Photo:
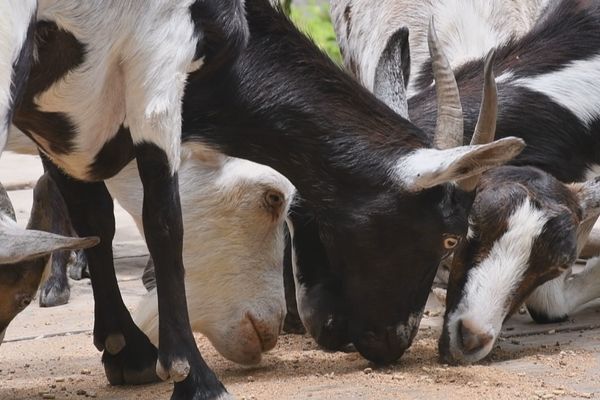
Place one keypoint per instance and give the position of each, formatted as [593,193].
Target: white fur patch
[15,16]
[575,87]
[490,285]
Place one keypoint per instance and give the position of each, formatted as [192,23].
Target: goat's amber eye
[450,242]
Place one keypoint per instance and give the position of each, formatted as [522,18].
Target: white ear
[588,196]
[426,168]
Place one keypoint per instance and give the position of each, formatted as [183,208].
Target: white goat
[233,214]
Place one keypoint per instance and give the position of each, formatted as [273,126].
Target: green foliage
[313,19]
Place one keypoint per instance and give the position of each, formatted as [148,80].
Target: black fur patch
[58,53]
[113,156]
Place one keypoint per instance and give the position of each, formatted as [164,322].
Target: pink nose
[472,337]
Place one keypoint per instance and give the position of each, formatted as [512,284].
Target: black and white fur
[526,227]
[368,226]
[106,86]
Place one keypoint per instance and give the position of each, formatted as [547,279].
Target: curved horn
[449,123]
[485,129]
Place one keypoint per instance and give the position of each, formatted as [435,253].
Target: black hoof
[54,293]
[293,324]
[135,364]
[200,385]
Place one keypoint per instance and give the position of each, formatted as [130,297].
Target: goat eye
[274,198]
[450,242]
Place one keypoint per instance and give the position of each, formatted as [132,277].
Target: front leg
[129,357]
[555,300]
[178,357]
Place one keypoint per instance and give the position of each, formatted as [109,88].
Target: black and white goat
[105,86]
[374,207]
[467,30]
[23,253]
[526,227]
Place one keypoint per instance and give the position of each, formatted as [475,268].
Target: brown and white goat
[25,252]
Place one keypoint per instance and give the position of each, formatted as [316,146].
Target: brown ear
[588,196]
[18,244]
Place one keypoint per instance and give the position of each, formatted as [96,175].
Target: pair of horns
[449,124]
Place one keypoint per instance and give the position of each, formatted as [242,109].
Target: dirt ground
[48,353]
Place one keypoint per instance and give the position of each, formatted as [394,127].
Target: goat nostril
[473,339]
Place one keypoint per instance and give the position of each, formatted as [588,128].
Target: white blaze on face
[490,285]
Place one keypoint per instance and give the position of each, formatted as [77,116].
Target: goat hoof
[180,369]
[133,364]
[200,385]
[114,343]
[54,294]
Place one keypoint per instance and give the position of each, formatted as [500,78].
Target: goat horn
[485,129]
[449,123]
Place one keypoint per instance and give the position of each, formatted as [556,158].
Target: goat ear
[392,73]
[18,244]
[426,168]
[588,196]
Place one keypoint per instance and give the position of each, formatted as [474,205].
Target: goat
[25,252]
[371,190]
[526,226]
[106,86]
[233,216]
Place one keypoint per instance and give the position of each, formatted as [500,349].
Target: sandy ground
[48,353]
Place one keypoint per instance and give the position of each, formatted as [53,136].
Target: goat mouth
[264,346]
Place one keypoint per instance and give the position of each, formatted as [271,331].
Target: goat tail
[145,316]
